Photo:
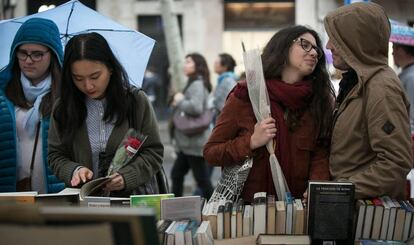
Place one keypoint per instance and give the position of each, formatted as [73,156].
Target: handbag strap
[160,176]
[34,148]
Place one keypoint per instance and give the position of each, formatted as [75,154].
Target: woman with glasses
[28,88]
[301,101]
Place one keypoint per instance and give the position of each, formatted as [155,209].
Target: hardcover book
[271,215]
[361,207]
[299,221]
[331,211]
[385,219]
[259,216]
[280,217]
[248,220]
[228,208]
[289,213]
[239,218]
[377,221]
[369,217]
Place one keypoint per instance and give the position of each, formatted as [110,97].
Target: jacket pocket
[302,156]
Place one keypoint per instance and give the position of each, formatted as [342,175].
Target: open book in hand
[127,151]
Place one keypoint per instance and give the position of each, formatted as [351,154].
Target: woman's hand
[305,195]
[177,98]
[263,132]
[117,183]
[81,175]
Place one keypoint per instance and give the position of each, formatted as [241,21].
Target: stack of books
[264,215]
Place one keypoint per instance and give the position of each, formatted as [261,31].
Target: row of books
[264,215]
[384,218]
[184,232]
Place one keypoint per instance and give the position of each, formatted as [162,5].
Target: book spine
[259,216]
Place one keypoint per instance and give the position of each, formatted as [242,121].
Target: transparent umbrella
[131,47]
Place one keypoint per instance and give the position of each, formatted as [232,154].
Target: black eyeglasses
[34,56]
[307,46]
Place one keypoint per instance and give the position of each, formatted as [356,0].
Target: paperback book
[331,212]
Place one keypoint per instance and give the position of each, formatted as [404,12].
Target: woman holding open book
[301,101]
[93,116]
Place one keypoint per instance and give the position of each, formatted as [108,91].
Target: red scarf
[282,95]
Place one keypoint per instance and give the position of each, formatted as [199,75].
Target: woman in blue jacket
[28,88]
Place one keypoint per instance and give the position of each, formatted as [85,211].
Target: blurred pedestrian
[28,87]
[224,67]
[371,143]
[404,58]
[301,100]
[192,101]
[94,114]
[151,84]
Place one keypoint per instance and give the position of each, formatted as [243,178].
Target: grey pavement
[170,156]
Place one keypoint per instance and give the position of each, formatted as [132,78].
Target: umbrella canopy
[130,47]
[401,33]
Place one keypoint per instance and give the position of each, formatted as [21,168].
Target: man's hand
[117,183]
[81,175]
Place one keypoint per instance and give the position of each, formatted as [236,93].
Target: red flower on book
[131,145]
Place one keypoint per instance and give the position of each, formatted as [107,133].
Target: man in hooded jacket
[371,143]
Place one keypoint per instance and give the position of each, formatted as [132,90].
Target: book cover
[97,202]
[220,221]
[180,231]
[399,221]
[299,222]
[19,197]
[331,211]
[289,213]
[379,242]
[411,234]
[210,212]
[259,216]
[233,222]
[239,218]
[280,217]
[385,219]
[178,208]
[228,208]
[408,216]
[271,215]
[162,226]
[58,199]
[361,207]
[169,238]
[377,221]
[269,239]
[153,201]
[190,231]
[393,215]
[369,217]
[248,220]
[204,234]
